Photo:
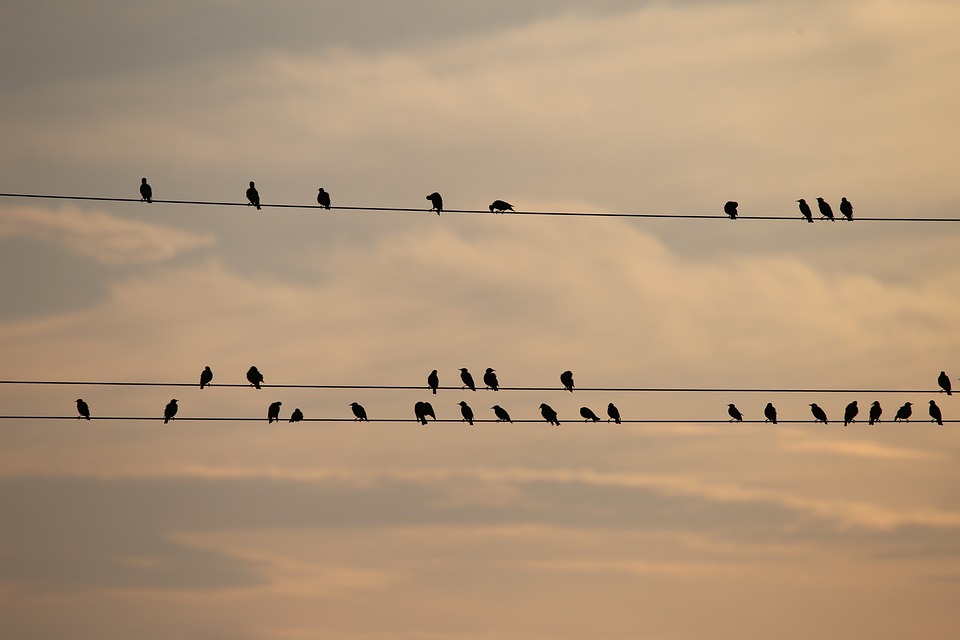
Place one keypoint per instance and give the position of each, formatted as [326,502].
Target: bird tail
[166,420]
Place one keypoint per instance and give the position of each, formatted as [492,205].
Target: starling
[466,412]
[254,376]
[587,414]
[846,209]
[146,191]
[567,379]
[428,410]
[433,380]
[170,411]
[437,201]
[253,196]
[501,413]
[323,198]
[875,412]
[850,413]
[467,379]
[613,412]
[296,416]
[825,209]
[423,409]
[490,379]
[731,209]
[944,382]
[904,412]
[273,412]
[805,210]
[501,206]
[360,414]
[935,413]
[819,415]
[549,414]
[770,413]
[734,413]
[205,377]
[83,409]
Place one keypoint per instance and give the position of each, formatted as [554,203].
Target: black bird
[490,379]
[467,379]
[426,409]
[254,376]
[819,415]
[770,413]
[846,209]
[273,412]
[206,376]
[904,412]
[587,414]
[83,409]
[501,413]
[567,379]
[875,412]
[734,413]
[359,412]
[296,416]
[805,210]
[501,206]
[935,413]
[944,382]
[433,380]
[549,414]
[323,198]
[825,209]
[850,413]
[437,201]
[613,412]
[253,196]
[466,412]
[170,411]
[730,208]
[146,191]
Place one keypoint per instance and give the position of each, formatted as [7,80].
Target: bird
[850,413]
[904,412]
[437,201]
[170,411]
[549,414]
[83,409]
[205,377]
[296,416]
[467,379]
[466,412]
[433,380]
[846,209]
[490,379]
[567,379]
[819,415]
[935,413]
[825,209]
[422,410]
[273,411]
[254,376]
[875,412]
[614,413]
[501,206]
[770,413]
[253,196]
[944,381]
[323,198]
[146,191]
[587,414]
[730,208]
[501,413]
[359,412]
[805,210]
[734,413]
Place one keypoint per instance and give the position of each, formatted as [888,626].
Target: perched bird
[359,412]
[296,416]
[904,412]
[567,379]
[819,415]
[253,196]
[944,381]
[433,380]
[437,201]
[467,379]
[466,412]
[323,198]
[254,376]
[146,191]
[730,208]
[734,413]
[613,412]
[490,379]
[587,414]
[170,411]
[501,206]
[850,413]
[273,412]
[846,209]
[549,414]
[805,210]
[770,413]
[875,412]
[825,209]
[426,409]
[83,409]
[501,413]
[935,413]
[206,376]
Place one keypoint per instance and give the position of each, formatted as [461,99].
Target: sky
[684,530]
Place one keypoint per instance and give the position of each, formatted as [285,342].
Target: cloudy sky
[208,530]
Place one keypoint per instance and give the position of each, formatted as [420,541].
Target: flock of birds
[826,211]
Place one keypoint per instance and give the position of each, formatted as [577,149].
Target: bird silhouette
[428,410]
[359,413]
[770,413]
[490,379]
[825,209]
[170,411]
[935,413]
[730,208]
[323,198]
[254,376]
[206,376]
[423,409]
[549,414]
[846,209]
[83,409]
[587,414]
[567,379]
[273,411]
[875,412]
[734,413]
[467,379]
[904,412]
[614,413]
[819,415]
[433,380]
[296,416]
[437,201]
[466,412]
[501,413]
[944,381]
[850,413]
[805,210]
[253,196]
[501,206]
[146,191]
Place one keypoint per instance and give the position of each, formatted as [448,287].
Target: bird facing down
[730,208]
[466,412]
[904,412]
[206,376]
[770,413]
[490,379]
[254,377]
[846,209]
[850,413]
[935,413]
[500,206]
[170,411]
[805,210]
[613,412]
[359,413]
[273,411]
[83,409]
[296,416]
[433,380]
[437,201]
[501,413]
[253,196]
[875,412]
[467,379]
[587,414]
[323,198]
[549,414]
[825,209]
[734,413]
[426,409]
[944,382]
[819,415]
[146,191]
[567,379]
